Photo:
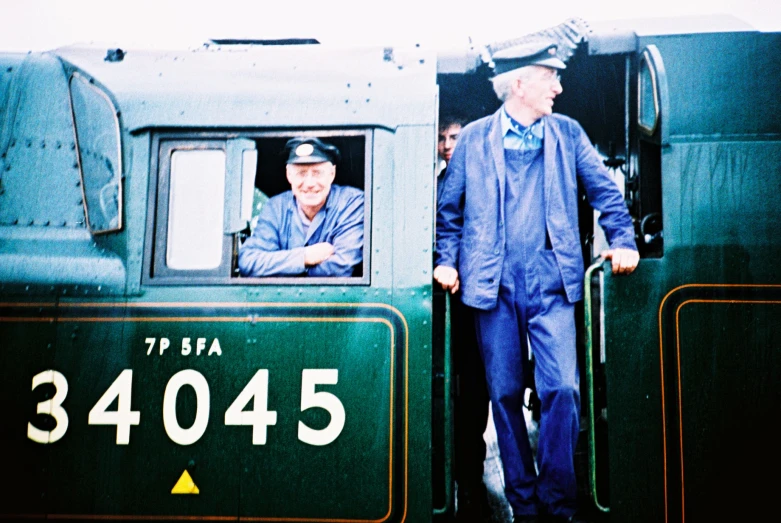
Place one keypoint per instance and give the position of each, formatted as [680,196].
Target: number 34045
[256,391]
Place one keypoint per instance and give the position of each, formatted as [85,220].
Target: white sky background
[46,24]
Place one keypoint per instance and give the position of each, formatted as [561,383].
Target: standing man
[471,399]
[507,236]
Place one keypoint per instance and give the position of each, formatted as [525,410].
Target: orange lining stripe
[251,319]
[661,365]
[41,304]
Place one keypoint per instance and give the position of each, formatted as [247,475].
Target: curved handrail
[592,453]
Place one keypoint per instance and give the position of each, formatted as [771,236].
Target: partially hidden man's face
[447,141]
[311,183]
[539,90]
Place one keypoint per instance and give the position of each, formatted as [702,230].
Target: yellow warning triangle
[185,485]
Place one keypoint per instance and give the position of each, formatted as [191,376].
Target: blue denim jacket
[470,211]
[276,247]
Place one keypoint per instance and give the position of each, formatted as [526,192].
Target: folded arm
[261,255]
[347,241]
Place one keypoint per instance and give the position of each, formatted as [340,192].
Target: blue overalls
[532,303]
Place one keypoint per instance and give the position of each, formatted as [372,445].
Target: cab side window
[189,230]
[210,191]
[195,210]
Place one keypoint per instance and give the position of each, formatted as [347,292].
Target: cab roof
[251,85]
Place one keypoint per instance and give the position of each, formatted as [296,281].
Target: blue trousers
[534,306]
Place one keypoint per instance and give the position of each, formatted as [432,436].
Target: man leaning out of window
[314,229]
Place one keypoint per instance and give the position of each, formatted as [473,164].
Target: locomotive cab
[156,377]
[692,143]
[150,374]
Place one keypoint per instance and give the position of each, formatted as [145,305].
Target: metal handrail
[592,452]
[448,416]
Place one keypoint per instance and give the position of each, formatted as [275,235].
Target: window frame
[160,270]
[647,62]
[90,83]
[156,272]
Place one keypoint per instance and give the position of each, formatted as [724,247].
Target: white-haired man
[507,236]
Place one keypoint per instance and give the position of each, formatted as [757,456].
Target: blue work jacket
[471,215]
[276,247]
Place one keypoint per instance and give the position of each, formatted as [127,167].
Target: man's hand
[317,253]
[624,260]
[447,277]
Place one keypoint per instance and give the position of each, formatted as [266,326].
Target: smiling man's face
[311,184]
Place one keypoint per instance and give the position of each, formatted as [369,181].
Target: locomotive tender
[144,379]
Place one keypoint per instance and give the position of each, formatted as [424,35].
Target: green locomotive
[145,379]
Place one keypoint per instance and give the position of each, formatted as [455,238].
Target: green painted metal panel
[719,187]
[45,258]
[411,254]
[643,382]
[9,64]
[43,239]
[130,246]
[268,86]
[90,355]
[376,336]
[368,345]
[710,92]
[633,384]
[366,353]
[723,192]
[38,166]
[28,334]
[728,355]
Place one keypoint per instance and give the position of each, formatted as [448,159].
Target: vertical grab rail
[592,452]
[448,416]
